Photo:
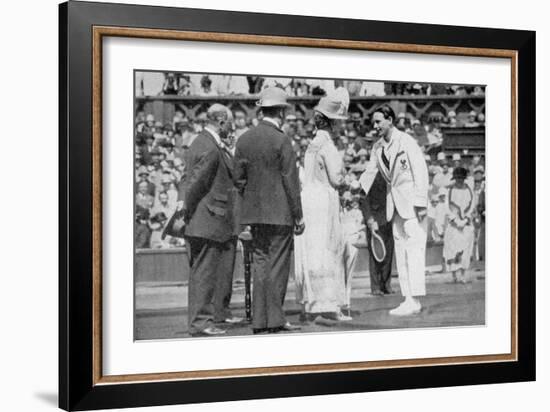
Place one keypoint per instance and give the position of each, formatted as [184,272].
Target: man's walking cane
[246,240]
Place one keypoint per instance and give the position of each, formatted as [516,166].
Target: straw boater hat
[334,105]
[272,97]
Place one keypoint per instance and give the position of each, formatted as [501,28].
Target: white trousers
[410,254]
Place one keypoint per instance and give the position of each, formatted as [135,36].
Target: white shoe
[407,308]
[343,318]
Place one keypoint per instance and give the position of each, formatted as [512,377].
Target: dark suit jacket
[267,177]
[374,204]
[208,191]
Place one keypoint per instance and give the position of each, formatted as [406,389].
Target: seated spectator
[162,205]
[457,160]
[170,86]
[239,117]
[361,164]
[143,198]
[372,89]
[156,224]
[401,122]
[451,120]
[168,187]
[254,84]
[471,121]
[481,119]
[353,86]
[143,176]
[142,233]
[185,86]
[206,87]
[444,178]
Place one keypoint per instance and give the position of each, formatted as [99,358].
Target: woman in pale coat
[323,257]
[458,242]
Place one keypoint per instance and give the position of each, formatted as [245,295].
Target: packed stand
[161,147]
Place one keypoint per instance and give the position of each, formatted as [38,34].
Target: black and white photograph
[291,205]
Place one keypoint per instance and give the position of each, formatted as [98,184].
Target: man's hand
[299,227]
[179,205]
[421,213]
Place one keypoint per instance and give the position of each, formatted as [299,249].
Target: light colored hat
[401,115]
[479,168]
[143,171]
[452,113]
[334,105]
[178,161]
[472,113]
[354,185]
[346,196]
[427,157]
[150,118]
[456,156]
[272,97]
[434,198]
[362,152]
[441,156]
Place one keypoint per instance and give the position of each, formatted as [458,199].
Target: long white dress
[458,242]
[323,257]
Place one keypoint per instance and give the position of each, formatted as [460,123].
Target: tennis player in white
[400,161]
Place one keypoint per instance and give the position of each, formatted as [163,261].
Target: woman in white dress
[458,241]
[323,257]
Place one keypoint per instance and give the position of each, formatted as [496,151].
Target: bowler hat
[272,97]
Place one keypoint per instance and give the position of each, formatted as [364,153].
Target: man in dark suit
[373,207]
[206,197]
[267,179]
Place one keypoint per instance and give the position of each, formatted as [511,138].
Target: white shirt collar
[272,121]
[217,137]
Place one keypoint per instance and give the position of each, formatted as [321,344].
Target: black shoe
[257,331]
[377,293]
[389,291]
[287,327]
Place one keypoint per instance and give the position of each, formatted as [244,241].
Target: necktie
[385,159]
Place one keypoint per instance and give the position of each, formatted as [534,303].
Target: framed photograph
[257,206]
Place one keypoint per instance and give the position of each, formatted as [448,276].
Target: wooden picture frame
[82,385]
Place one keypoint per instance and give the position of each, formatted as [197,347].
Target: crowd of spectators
[183,84]
[160,150]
